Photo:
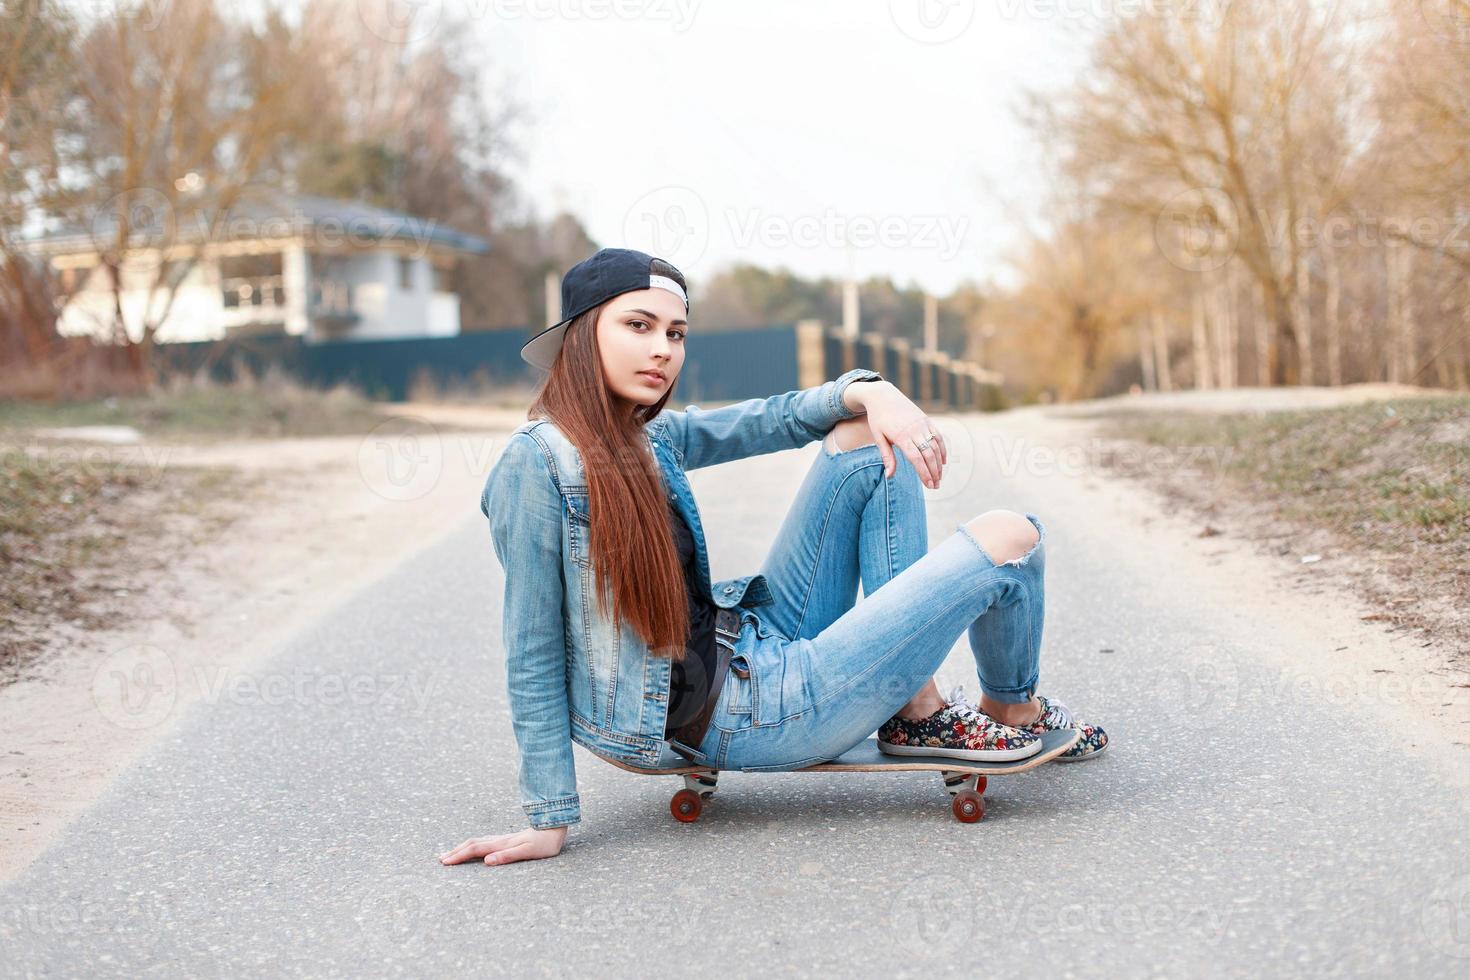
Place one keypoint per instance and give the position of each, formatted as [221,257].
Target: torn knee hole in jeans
[1023,559]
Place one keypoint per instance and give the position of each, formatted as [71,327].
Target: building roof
[263,215]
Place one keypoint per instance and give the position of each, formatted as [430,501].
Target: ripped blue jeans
[816,671]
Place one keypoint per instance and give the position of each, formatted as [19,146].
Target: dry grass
[81,535]
[1382,489]
[190,407]
[83,527]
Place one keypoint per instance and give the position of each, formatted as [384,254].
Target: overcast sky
[866,136]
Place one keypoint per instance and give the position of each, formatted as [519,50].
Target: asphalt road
[1244,822]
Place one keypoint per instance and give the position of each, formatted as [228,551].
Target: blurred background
[998,203]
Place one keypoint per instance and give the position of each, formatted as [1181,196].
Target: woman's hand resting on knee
[524,845]
[894,420]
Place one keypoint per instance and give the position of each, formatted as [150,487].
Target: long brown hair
[633,552]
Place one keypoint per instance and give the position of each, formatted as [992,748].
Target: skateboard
[965,780]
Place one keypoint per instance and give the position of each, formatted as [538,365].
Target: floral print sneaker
[959,730]
[1054,715]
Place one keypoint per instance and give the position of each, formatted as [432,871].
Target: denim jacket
[571,673]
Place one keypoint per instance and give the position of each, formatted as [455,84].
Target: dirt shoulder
[1317,630]
[1371,493]
[218,549]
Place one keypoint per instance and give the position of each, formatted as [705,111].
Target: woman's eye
[677,334]
[637,323]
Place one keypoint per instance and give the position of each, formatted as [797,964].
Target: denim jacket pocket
[579,529]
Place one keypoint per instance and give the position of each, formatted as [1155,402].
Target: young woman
[616,638]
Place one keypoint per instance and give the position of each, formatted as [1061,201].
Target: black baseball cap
[610,272]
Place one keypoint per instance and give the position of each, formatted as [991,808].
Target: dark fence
[720,365]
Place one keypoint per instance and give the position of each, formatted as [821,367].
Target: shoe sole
[977,755]
[1082,758]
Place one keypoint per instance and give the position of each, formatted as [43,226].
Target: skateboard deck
[964,779]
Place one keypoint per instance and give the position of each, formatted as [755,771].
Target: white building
[314,267]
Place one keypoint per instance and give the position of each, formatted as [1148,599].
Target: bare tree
[168,116]
[1217,123]
[36,40]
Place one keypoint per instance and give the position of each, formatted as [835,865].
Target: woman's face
[642,331]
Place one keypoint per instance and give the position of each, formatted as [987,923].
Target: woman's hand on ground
[524,845]
[894,420]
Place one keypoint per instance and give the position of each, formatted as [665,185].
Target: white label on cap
[664,282]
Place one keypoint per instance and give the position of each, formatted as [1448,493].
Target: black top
[689,681]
